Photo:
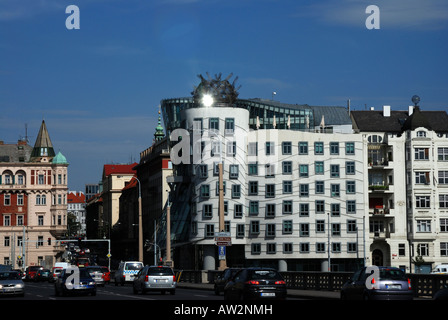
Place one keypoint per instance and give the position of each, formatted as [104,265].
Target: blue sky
[98,88]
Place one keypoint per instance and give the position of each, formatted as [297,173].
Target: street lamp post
[140,223]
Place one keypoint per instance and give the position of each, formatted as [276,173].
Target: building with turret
[33,198]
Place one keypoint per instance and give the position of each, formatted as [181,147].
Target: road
[45,291]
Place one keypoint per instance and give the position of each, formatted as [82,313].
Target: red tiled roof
[77,197]
[119,168]
[131,184]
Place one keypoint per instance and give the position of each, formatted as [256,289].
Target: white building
[295,196]
[408,186]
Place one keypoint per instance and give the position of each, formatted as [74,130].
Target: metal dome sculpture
[220,90]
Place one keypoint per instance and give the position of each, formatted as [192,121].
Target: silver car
[378,283]
[97,274]
[155,278]
[11,283]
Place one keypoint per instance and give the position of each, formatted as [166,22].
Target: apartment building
[33,202]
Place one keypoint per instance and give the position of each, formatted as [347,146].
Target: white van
[126,271]
[440,269]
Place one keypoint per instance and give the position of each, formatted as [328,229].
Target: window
[304,247]
[319,167]
[351,206]
[335,209]
[286,147]
[233,171]
[270,210]
[320,206]
[240,230]
[41,179]
[303,170]
[443,200]
[421,153]
[238,211]
[253,188]
[320,226]
[214,124]
[20,199]
[304,230]
[422,178]
[209,231]
[320,247]
[351,187]
[318,148]
[401,249]
[236,191]
[255,248]
[423,249]
[303,147]
[6,221]
[336,229]
[270,230]
[270,190]
[203,171]
[288,248]
[349,148]
[423,225]
[253,169]
[287,206]
[254,227]
[442,154]
[334,148]
[20,179]
[351,226]
[443,225]
[444,249]
[422,202]
[253,149]
[335,190]
[320,187]
[350,167]
[304,190]
[287,187]
[304,210]
[443,177]
[287,167]
[40,220]
[7,200]
[207,211]
[253,208]
[229,126]
[269,170]
[205,191]
[20,220]
[231,148]
[270,148]
[334,171]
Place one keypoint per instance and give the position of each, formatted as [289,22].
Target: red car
[106,274]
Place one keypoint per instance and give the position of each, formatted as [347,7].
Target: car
[55,272]
[21,273]
[155,278]
[378,283]
[442,294]
[30,272]
[126,271]
[222,279]
[42,275]
[106,274]
[11,283]
[97,274]
[254,284]
[69,282]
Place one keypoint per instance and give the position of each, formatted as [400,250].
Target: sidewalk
[309,294]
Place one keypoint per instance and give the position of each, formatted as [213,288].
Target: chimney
[386,111]
[411,110]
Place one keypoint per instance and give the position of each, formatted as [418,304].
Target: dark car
[378,283]
[222,279]
[255,283]
[43,275]
[69,282]
[31,271]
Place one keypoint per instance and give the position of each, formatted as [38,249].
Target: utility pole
[168,261]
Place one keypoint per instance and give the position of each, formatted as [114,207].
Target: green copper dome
[59,159]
